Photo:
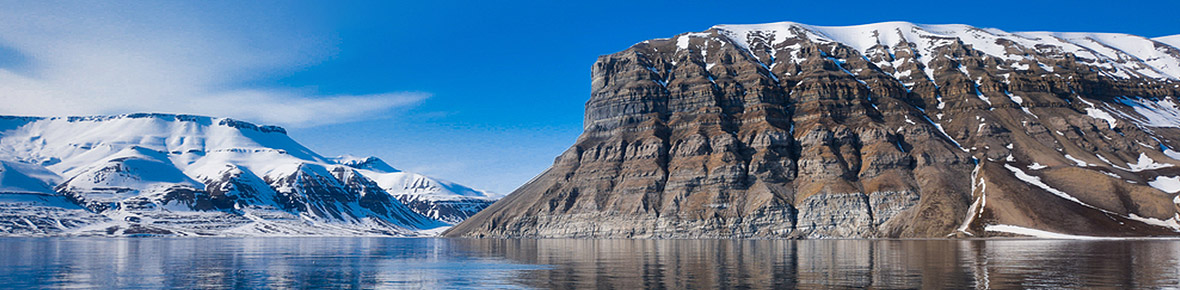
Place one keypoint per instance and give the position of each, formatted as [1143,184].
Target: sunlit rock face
[787,130]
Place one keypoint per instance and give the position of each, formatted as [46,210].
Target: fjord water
[563,264]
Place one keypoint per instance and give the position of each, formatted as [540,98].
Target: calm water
[604,264]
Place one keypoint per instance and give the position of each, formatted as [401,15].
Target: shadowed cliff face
[884,130]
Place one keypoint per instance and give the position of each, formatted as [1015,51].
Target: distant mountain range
[183,175]
[898,130]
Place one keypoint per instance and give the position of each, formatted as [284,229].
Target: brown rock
[778,131]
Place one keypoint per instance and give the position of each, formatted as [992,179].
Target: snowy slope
[1173,40]
[1121,55]
[29,206]
[401,182]
[435,198]
[18,177]
[368,163]
[67,144]
[163,174]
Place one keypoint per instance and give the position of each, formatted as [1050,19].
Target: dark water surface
[604,264]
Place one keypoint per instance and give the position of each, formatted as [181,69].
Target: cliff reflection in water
[220,263]
[763,264]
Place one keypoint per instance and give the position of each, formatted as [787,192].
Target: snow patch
[1171,153]
[1144,163]
[980,203]
[1077,162]
[682,42]
[1172,223]
[1036,181]
[1100,114]
[1011,229]
[1153,113]
[1166,184]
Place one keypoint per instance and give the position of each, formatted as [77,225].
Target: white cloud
[99,58]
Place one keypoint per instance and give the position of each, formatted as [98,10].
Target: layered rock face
[787,130]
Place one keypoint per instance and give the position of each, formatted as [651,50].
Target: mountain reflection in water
[566,264]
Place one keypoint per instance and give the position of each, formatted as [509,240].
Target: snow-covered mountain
[438,199]
[164,174]
[888,129]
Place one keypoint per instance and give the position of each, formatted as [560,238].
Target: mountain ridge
[170,174]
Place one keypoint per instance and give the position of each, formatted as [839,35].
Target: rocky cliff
[787,130]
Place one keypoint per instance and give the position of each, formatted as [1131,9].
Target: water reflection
[221,263]
[886,264]
[224,263]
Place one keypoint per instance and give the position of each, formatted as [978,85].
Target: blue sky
[485,93]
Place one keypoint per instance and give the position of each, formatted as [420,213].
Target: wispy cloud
[77,58]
